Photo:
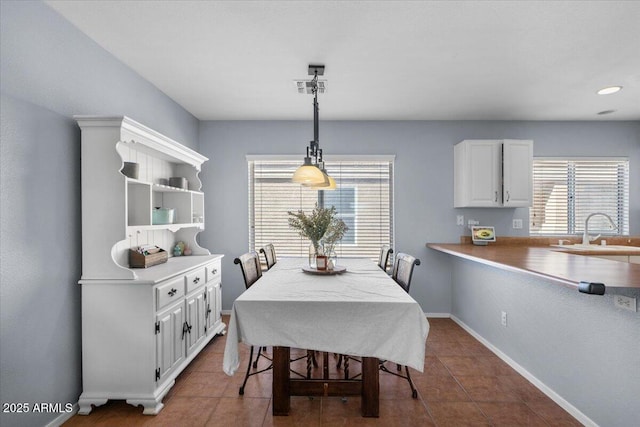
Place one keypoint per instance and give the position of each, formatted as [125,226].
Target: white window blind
[566,191]
[363,200]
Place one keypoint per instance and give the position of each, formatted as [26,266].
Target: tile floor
[463,384]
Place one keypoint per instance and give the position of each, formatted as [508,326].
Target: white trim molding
[63,417]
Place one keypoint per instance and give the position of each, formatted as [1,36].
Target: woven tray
[138,260]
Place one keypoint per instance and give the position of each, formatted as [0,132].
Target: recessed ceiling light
[602,113]
[609,90]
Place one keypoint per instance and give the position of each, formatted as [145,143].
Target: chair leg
[414,392]
[309,362]
[246,376]
[249,373]
[346,367]
[260,350]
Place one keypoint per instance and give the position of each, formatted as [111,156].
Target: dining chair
[383,258]
[403,270]
[251,272]
[269,252]
[401,273]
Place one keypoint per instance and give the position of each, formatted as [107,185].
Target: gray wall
[50,71]
[423,180]
[579,345]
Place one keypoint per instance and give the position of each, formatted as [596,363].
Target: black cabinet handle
[172,292]
[184,329]
[196,280]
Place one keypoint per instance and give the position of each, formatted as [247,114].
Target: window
[567,191]
[363,200]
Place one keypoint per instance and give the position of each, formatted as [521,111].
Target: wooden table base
[284,386]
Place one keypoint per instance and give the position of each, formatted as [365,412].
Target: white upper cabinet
[517,173]
[493,173]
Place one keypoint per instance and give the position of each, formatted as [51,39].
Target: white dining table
[360,312]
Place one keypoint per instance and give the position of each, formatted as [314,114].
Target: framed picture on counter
[321,262]
[481,235]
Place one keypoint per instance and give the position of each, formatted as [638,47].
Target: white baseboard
[64,417]
[438,315]
[575,412]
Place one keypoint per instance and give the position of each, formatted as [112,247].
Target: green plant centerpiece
[321,227]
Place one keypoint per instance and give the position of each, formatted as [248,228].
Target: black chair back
[403,270]
[269,252]
[250,266]
[383,259]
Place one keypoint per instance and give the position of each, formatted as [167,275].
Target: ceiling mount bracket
[313,69]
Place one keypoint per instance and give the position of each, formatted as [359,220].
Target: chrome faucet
[586,239]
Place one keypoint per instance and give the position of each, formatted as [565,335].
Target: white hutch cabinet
[141,326]
[493,173]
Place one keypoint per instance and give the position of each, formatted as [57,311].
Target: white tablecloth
[361,312]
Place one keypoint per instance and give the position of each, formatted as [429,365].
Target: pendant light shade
[312,173]
[309,174]
[324,186]
[328,182]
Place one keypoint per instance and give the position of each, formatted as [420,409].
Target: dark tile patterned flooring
[463,384]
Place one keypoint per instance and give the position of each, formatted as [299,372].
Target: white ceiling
[385,60]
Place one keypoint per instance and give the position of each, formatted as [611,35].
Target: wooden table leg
[281,376]
[370,387]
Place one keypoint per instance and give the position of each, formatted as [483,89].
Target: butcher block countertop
[535,256]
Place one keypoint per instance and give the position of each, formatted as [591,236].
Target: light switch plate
[517,223]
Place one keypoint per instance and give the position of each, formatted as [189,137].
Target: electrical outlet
[627,303]
[503,319]
[460,220]
[472,222]
[517,223]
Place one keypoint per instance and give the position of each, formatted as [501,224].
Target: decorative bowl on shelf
[162,216]
[179,182]
[130,169]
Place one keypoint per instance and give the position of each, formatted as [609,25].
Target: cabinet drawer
[169,292]
[213,271]
[195,279]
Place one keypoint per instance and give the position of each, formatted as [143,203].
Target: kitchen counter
[595,250]
[552,263]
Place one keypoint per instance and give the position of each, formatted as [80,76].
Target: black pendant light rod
[316,127]
[315,144]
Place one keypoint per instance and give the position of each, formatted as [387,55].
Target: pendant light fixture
[312,173]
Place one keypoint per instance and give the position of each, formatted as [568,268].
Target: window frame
[573,226]
[251,158]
